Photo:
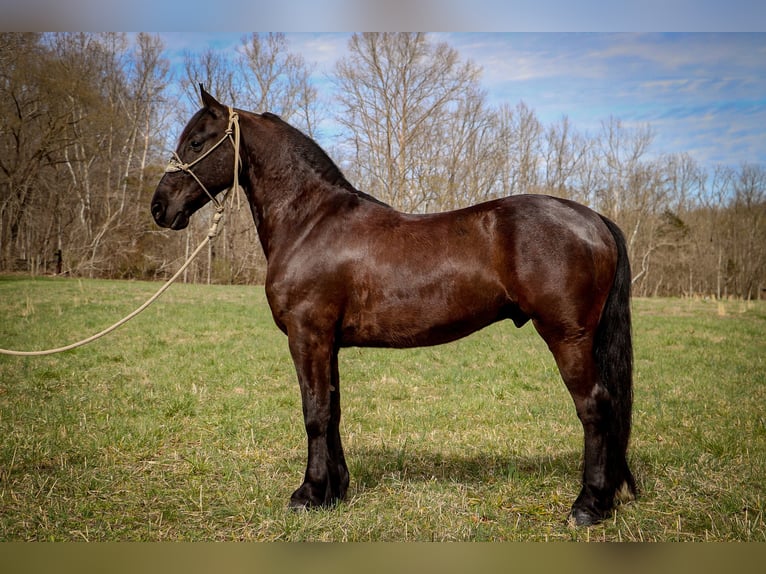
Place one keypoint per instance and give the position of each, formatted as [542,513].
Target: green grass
[185,425]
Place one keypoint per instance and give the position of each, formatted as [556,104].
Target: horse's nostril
[157,210]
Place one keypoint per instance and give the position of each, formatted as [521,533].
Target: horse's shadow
[373,466]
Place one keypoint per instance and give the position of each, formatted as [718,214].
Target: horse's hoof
[304,499]
[296,506]
[301,500]
[581,517]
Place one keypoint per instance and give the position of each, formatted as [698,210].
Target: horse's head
[201,166]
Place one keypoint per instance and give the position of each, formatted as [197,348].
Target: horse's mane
[315,156]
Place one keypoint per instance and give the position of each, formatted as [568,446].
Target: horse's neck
[284,208]
[287,194]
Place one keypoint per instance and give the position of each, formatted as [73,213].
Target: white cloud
[320,49]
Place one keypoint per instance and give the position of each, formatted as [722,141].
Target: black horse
[345,269]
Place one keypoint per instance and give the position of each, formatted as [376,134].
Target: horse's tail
[613,353]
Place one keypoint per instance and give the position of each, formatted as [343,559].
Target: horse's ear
[207,100]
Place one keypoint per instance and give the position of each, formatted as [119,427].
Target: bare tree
[214,69]
[622,150]
[116,102]
[277,80]
[748,231]
[472,154]
[520,132]
[399,93]
[31,130]
[78,148]
[564,150]
[713,218]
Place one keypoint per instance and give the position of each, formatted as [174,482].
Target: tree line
[85,120]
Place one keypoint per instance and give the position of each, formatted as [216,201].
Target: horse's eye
[195,145]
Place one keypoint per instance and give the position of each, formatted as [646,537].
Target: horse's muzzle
[176,221]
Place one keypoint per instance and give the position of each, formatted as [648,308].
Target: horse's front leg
[326,479]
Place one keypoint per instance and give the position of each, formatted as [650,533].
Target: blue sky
[701,93]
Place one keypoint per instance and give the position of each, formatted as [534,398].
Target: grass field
[186,425]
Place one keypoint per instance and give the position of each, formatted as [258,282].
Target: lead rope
[211,234]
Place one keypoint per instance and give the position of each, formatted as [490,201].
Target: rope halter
[176,164]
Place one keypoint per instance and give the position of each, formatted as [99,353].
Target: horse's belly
[420,321]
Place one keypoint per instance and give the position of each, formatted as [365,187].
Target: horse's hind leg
[603,463]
